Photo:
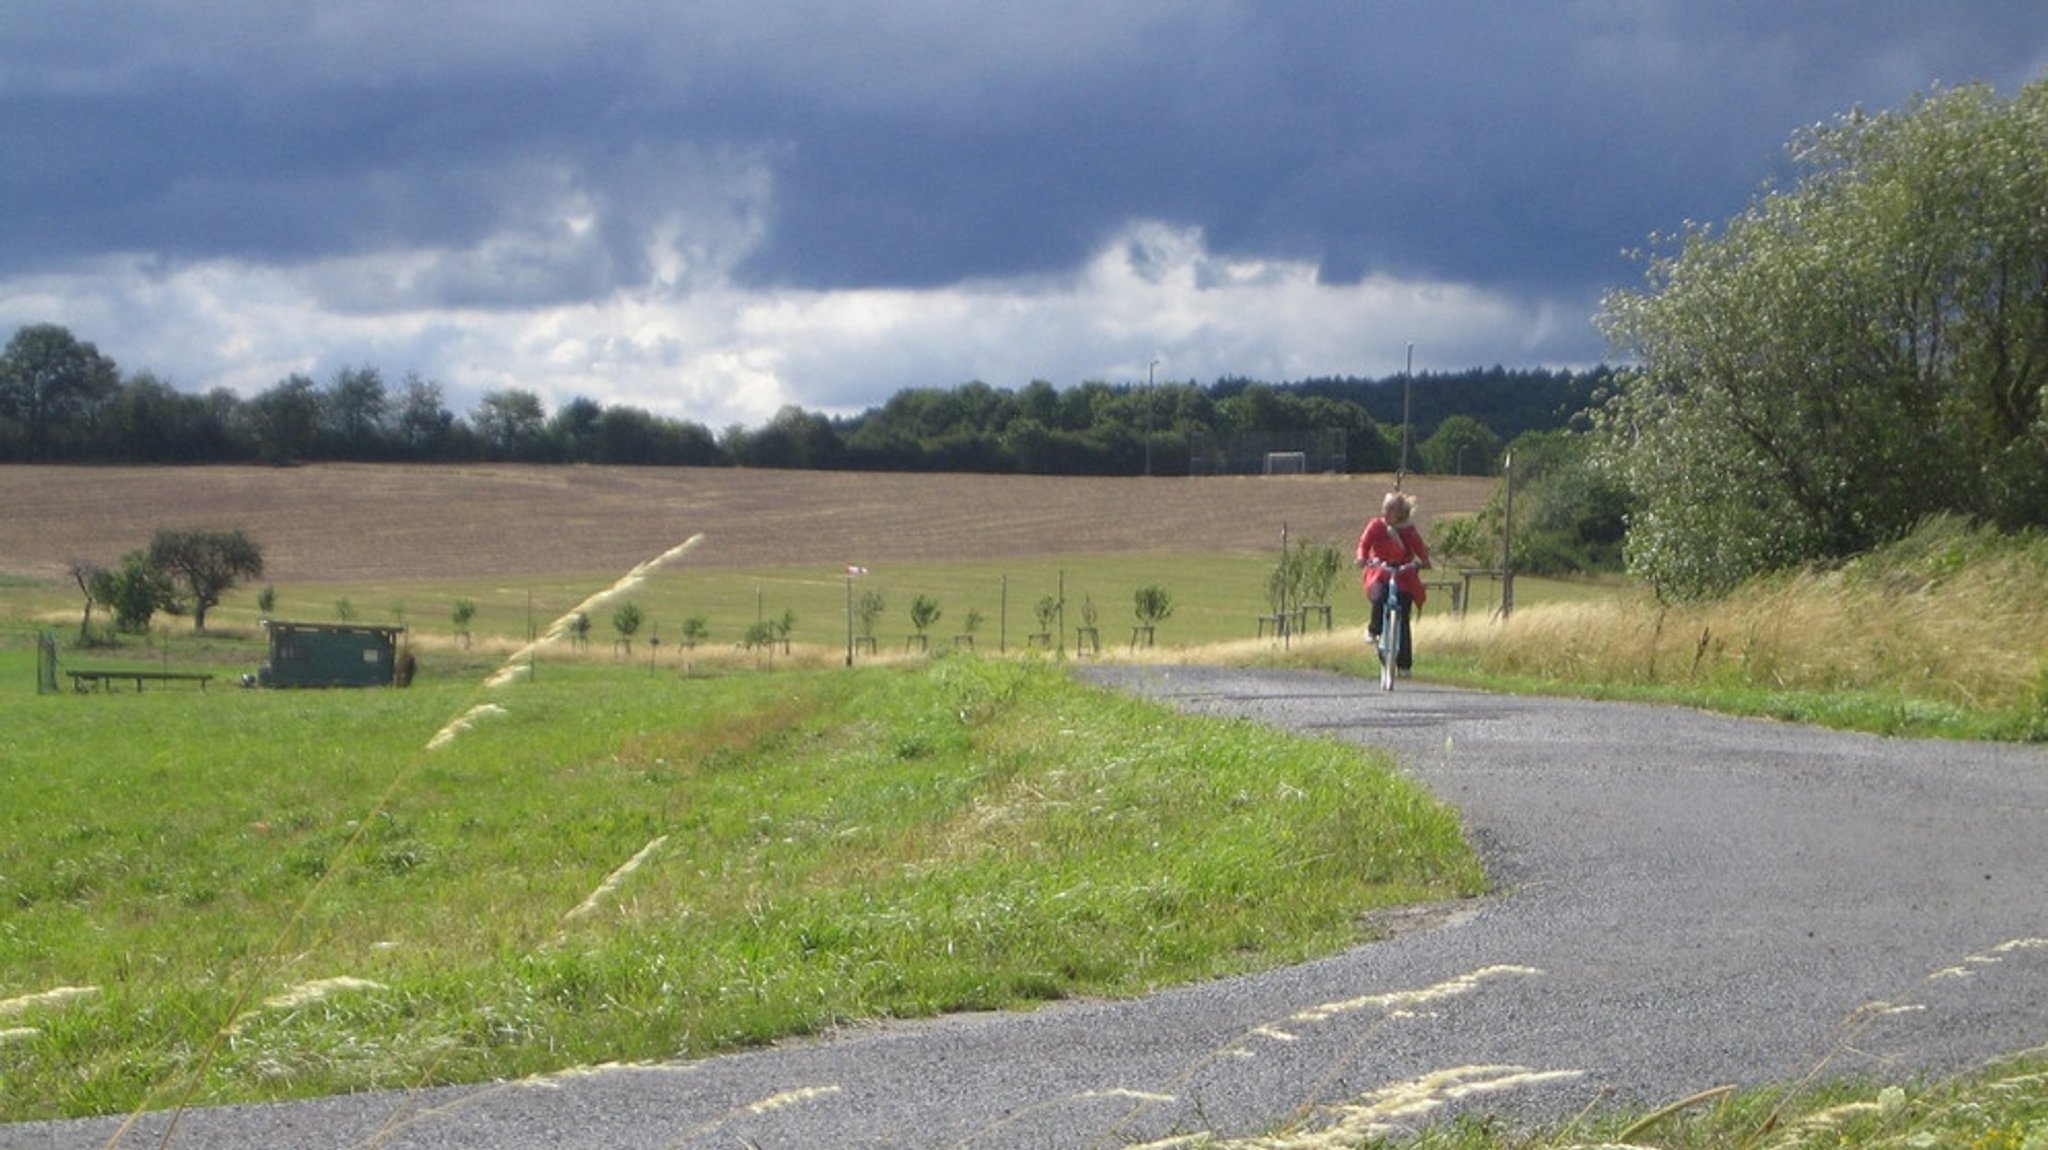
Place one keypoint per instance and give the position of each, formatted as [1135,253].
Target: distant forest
[61,400]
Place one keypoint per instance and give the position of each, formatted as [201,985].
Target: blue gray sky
[715,208]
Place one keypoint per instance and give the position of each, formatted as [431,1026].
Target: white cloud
[719,354]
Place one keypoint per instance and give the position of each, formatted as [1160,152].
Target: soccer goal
[1287,463]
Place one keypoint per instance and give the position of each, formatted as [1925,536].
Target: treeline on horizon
[61,400]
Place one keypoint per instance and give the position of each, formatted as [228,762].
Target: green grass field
[1218,599]
[233,895]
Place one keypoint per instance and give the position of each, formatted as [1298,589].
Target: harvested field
[337,522]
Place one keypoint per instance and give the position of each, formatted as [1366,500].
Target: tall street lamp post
[1148,415]
[1407,392]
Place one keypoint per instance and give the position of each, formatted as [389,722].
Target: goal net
[1268,453]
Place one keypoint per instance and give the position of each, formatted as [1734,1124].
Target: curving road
[1685,901]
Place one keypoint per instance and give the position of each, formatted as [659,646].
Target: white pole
[1407,392]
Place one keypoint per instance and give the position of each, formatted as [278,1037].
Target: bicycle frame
[1392,617]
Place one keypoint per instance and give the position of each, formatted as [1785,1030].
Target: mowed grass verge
[238,895]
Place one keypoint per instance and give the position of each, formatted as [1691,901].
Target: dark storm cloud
[918,144]
[745,203]
[1516,143]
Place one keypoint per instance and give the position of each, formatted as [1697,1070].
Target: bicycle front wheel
[1390,640]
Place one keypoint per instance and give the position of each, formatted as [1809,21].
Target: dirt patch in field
[372,522]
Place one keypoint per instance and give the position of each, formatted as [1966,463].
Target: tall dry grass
[1952,619]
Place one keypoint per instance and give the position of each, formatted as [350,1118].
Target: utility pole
[1407,393]
[1507,537]
[1148,415]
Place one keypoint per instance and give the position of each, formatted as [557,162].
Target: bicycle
[1393,622]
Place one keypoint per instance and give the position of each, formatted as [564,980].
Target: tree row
[61,399]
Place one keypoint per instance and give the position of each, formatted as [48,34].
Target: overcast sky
[713,208]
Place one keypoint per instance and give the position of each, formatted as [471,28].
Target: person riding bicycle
[1391,547]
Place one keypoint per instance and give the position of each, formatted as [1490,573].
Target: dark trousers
[1405,654]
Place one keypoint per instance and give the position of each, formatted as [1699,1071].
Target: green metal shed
[332,655]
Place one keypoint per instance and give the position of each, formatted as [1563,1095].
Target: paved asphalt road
[1685,901]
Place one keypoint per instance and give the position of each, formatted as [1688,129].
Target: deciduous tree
[285,419]
[1849,355]
[626,621]
[512,423]
[202,566]
[50,382]
[353,412]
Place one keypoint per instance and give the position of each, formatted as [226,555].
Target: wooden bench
[83,681]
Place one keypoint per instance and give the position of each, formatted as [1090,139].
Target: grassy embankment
[1943,634]
[234,895]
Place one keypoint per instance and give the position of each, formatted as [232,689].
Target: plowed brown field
[374,522]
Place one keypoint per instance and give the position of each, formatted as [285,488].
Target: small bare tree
[92,580]
[1047,612]
[870,613]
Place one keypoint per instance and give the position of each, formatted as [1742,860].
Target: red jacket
[1385,544]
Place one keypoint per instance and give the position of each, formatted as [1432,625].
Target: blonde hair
[1398,499]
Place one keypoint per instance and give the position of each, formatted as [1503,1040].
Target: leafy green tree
[573,429]
[1321,565]
[696,629]
[147,420]
[285,419]
[630,435]
[353,412]
[202,566]
[869,612]
[50,382]
[1461,445]
[1047,612]
[135,592]
[626,621]
[1849,355]
[1571,514]
[1468,540]
[1153,604]
[511,423]
[423,421]
[461,614]
[924,611]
